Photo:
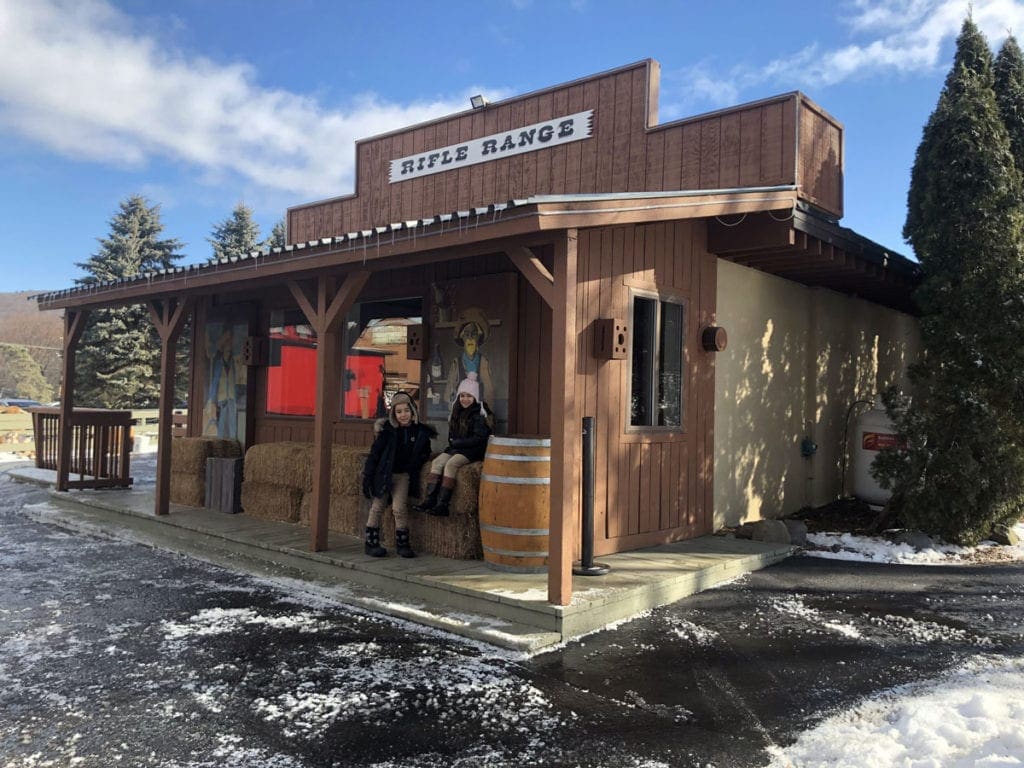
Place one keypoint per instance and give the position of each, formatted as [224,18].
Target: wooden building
[586,244]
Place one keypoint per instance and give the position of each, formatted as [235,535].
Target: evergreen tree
[237,235]
[1009,86]
[21,375]
[118,357]
[276,239]
[962,469]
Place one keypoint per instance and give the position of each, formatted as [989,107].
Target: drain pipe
[587,566]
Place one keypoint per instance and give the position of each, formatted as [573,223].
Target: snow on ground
[969,718]
[848,546]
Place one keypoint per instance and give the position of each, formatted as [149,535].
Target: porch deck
[457,596]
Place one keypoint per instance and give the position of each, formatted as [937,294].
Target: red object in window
[291,386]
[365,383]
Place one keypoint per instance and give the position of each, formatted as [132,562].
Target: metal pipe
[587,567]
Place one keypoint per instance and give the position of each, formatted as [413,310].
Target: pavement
[463,597]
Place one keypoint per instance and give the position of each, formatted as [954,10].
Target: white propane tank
[872,432]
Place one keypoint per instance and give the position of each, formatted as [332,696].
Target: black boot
[433,486]
[443,498]
[372,546]
[402,543]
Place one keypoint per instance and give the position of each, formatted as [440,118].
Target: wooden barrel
[515,500]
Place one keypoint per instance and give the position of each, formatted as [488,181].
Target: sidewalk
[458,596]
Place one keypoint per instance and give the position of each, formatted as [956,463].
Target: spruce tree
[118,357]
[962,469]
[237,235]
[276,239]
[1009,86]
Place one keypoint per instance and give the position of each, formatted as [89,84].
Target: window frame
[659,297]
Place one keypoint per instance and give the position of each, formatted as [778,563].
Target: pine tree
[118,357]
[1009,86]
[962,470]
[21,375]
[238,235]
[276,239]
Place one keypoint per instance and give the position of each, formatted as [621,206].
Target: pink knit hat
[470,385]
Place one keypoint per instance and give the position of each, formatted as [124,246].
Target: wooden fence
[101,444]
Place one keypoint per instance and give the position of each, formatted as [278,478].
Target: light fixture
[478,101]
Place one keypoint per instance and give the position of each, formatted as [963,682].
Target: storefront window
[376,364]
[656,380]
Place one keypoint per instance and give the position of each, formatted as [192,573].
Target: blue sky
[199,104]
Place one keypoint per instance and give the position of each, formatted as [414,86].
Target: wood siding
[780,141]
[652,486]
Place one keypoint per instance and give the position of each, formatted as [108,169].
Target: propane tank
[872,432]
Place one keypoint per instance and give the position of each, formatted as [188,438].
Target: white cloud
[77,78]
[891,36]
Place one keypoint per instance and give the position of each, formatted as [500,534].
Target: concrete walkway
[464,597]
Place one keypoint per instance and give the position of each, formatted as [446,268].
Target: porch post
[326,314]
[74,324]
[564,422]
[169,317]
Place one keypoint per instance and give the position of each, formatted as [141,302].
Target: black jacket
[377,472]
[468,431]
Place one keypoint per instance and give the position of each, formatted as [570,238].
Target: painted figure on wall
[470,333]
[222,412]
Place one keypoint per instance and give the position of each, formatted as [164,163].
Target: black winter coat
[378,470]
[468,431]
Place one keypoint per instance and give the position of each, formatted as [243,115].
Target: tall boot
[433,486]
[402,543]
[444,497]
[372,546]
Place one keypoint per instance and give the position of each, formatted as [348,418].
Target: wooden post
[565,429]
[74,324]
[169,317]
[326,313]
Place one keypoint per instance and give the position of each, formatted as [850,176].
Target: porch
[463,597]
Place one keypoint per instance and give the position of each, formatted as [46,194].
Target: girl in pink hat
[469,426]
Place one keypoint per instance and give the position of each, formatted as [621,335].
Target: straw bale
[456,536]
[188,489]
[189,454]
[267,501]
[347,469]
[346,513]
[283,464]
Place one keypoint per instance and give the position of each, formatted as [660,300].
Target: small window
[656,387]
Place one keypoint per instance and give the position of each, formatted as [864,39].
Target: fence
[101,444]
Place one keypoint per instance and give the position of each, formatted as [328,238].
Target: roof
[477,224]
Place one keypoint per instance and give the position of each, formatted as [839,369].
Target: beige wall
[797,359]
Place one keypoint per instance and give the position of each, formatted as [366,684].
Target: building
[686,284]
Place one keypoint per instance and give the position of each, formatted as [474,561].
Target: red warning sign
[876,441]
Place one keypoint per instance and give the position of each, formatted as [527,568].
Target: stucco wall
[797,359]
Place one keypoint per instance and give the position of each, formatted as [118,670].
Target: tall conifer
[118,359]
[238,235]
[963,467]
[1009,87]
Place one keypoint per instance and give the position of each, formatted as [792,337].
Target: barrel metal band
[514,552]
[517,480]
[514,531]
[516,457]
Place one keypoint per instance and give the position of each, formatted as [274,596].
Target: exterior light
[478,101]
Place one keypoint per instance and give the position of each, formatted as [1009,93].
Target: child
[468,429]
[399,451]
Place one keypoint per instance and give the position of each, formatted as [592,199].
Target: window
[376,365]
[656,380]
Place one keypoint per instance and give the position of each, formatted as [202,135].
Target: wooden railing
[101,444]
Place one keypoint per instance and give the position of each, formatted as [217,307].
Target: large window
[376,365]
[656,381]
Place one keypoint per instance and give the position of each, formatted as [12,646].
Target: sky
[200,105]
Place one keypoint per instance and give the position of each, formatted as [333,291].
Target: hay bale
[268,501]
[346,513]
[347,469]
[456,536]
[189,454]
[188,489]
[284,464]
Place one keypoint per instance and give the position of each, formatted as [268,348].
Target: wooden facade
[634,211]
